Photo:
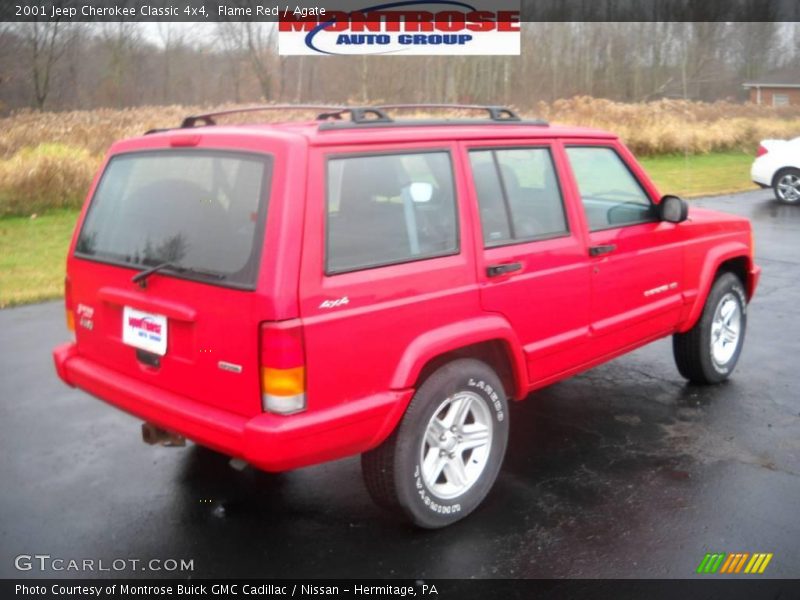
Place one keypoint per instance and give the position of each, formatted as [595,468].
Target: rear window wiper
[141,278]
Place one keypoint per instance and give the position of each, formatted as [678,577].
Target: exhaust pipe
[153,435]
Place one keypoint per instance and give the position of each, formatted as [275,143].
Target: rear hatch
[191,326]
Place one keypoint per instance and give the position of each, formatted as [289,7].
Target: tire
[787,186]
[709,351]
[436,492]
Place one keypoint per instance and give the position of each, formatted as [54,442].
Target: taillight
[70,314]
[761,151]
[282,367]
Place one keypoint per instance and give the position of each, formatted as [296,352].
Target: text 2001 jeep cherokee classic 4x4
[295,293]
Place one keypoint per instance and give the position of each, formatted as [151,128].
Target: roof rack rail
[358,114]
[379,117]
[330,112]
[362,115]
[496,113]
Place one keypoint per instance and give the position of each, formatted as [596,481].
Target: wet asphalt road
[625,471]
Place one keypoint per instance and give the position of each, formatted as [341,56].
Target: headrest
[367,177]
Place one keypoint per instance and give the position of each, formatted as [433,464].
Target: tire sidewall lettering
[491,395]
[449,507]
[436,506]
[417,499]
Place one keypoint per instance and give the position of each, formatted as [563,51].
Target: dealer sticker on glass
[144,330]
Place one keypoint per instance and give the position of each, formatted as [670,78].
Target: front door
[635,259]
[533,266]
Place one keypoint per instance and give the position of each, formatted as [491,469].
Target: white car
[777,165]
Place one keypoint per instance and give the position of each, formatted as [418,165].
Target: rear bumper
[762,171]
[269,442]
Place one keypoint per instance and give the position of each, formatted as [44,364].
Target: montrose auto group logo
[146,327]
[405,28]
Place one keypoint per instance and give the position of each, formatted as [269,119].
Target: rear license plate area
[145,331]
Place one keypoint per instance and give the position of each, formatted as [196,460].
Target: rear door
[533,264]
[191,327]
[636,260]
[384,265]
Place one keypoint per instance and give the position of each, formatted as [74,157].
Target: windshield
[203,212]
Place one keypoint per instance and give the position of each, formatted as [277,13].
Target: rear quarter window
[388,209]
[202,211]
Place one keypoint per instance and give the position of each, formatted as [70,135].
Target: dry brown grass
[47,159]
[44,177]
[679,126]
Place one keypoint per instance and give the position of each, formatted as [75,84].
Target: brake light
[178,141]
[282,367]
[761,151]
[70,315]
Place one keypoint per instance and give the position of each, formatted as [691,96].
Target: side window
[518,195]
[610,193]
[388,209]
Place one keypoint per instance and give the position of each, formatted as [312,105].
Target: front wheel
[444,457]
[709,351]
[787,186]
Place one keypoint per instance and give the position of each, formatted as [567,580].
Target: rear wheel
[787,186]
[709,351]
[444,457]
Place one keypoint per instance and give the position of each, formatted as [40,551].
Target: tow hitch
[155,435]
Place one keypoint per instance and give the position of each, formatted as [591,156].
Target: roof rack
[378,117]
[370,116]
[496,113]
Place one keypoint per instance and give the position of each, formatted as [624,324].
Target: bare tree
[173,39]
[120,40]
[43,41]
[260,40]
[123,64]
[231,44]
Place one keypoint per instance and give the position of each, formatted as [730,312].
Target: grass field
[701,175]
[32,256]
[33,251]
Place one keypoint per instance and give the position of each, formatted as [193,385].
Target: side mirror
[420,191]
[673,209]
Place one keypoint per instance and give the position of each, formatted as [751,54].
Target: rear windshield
[203,212]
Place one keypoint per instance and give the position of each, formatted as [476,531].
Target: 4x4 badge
[335,303]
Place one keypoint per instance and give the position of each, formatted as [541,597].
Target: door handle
[599,250]
[502,269]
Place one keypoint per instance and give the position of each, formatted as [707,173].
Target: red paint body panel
[269,442]
[562,313]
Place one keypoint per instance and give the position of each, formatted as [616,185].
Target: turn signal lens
[283,371]
[283,382]
[68,304]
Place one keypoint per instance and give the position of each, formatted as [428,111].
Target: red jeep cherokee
[295,293]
